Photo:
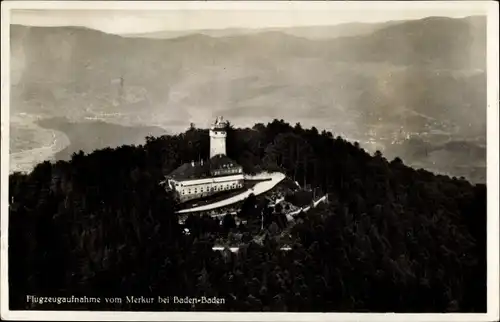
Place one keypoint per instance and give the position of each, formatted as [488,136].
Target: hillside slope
[101,224]
[436,42]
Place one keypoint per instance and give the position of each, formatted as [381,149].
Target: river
[26,160]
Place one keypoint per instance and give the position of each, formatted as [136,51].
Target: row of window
[220,187]
[225,171]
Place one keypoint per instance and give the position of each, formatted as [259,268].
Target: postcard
[250,161]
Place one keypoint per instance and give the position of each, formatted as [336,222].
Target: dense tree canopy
[391,238]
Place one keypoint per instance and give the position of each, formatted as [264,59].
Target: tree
[290,152]
[100,224]
[228,223]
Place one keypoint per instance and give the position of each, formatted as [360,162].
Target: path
[290,215]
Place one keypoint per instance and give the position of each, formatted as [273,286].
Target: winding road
[259,188]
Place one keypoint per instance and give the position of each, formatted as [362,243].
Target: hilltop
[101,225]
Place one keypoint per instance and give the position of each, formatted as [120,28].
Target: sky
[143,21]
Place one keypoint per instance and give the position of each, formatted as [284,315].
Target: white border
[490,8]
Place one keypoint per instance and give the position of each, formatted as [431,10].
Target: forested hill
[391,239]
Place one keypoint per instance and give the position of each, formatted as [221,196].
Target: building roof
[199,170]
[189,171]
[221,161]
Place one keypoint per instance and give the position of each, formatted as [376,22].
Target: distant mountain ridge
[424,40]
[57,54]
[434,67]
[311,32]
[434,41]
[84,61]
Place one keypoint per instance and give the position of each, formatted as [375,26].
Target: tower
[218,137]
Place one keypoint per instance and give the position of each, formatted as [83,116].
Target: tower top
[218,137]
[219,123]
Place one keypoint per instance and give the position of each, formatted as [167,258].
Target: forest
[391,239]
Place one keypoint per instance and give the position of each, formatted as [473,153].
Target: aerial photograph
[247,161]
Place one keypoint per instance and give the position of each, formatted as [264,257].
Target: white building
[201,179]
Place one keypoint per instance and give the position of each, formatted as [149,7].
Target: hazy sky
[139,21]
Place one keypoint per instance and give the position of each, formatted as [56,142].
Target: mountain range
[98,71]
[310,32]
[335,77]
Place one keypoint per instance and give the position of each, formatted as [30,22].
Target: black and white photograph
[250,158]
